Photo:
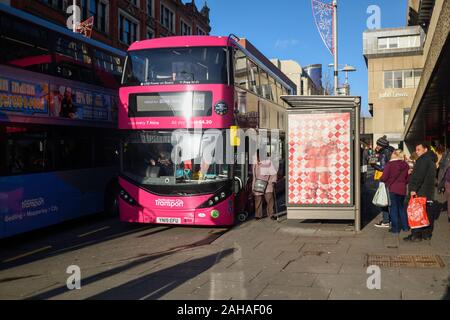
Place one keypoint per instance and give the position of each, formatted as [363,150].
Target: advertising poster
[320,159]
[74,103]
[23,97]
[56,99]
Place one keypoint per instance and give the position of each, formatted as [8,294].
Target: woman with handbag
[395,177]
[264,178]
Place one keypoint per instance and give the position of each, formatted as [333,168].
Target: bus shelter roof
[321,102]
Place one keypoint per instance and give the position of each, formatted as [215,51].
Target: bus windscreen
[195,65]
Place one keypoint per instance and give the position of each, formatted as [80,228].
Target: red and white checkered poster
[320,159]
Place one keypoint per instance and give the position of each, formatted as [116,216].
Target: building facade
[298,75]
[119,23]
[430,113]
[395,63]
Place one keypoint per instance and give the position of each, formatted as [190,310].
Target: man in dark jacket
[384,151]
[422,183]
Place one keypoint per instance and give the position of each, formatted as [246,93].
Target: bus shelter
[323,158]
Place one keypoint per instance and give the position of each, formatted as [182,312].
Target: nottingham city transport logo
[169,203]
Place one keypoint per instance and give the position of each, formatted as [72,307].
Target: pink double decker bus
[179,97]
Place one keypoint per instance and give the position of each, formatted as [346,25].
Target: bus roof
[181,41]
[52,26]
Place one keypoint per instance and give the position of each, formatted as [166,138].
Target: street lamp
[345,69]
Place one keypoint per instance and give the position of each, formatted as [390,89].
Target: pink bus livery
[178,96]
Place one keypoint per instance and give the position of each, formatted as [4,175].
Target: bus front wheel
[242,217]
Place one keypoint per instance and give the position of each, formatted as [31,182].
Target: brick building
[118,23]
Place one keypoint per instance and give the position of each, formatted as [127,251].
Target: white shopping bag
[381,198]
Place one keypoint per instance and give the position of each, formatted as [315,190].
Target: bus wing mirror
[237,185]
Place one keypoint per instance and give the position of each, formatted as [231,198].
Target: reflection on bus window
[177,66]
[153,160]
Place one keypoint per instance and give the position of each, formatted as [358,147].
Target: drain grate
[405,261]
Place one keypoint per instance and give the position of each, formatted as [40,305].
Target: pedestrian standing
[444,181]
[395,177]
[264,171]
[364,164]
[384,151]
[422,183]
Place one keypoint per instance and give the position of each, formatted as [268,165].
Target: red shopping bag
[417,213]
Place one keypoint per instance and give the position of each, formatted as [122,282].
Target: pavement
[256,260]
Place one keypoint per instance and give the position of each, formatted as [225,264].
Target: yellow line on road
[92,232]
[26,254]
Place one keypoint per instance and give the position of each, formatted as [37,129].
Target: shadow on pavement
[62,242]
[140,261]
[447,295]
[157,284]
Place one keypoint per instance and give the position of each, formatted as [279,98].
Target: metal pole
[358,187]
[335,34]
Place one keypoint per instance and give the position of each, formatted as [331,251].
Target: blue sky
[285,29]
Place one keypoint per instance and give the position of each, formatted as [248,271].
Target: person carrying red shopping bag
[422,185]
[417,213]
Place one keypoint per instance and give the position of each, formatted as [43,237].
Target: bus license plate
[168,220]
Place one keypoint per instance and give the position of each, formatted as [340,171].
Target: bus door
[243,173]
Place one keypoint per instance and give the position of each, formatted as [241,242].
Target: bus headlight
[215,199]
[127,198]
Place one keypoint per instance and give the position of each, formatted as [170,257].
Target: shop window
[167,18]
[409,79]
[128,29]
[186,30]
[398,79]
[150,8]
[201,32]
[382,43]
[150,34]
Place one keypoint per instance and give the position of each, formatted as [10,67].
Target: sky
[285,29]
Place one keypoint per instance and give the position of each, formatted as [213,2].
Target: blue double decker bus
[58,119]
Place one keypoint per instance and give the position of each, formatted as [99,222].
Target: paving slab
[421,295]
[225,290]
[364,294]
[273,292]
[315,267]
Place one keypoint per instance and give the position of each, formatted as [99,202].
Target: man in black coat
[422,183]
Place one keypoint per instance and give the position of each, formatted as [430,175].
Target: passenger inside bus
[162,162]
